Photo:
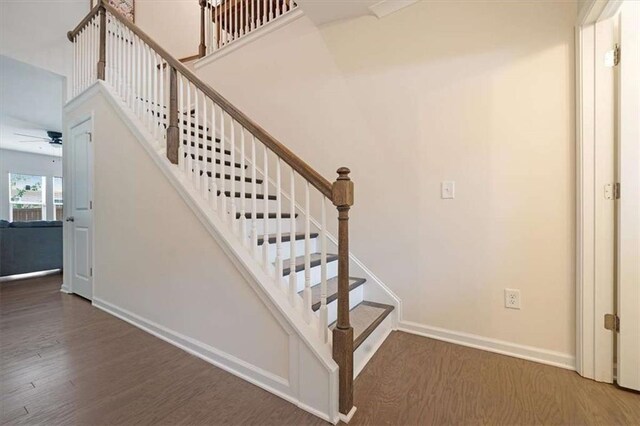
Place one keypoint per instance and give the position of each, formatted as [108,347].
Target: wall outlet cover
[511,298]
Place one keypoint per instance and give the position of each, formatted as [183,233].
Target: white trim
[279,22]
[529,353]
[387,7]
[346,418]
[255,375]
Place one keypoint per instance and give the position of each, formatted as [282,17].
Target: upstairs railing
[225,156]
[225,21]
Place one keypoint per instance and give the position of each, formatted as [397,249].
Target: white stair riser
[286,249]
[355,297]
[316,275]
[272,225]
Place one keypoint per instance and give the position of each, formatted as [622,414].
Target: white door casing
[628,265]
[80,217]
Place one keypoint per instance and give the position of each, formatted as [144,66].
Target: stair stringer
[314,389]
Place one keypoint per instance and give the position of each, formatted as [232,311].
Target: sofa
[30,247]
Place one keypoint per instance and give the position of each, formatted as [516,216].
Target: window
[58,211]
[27,195]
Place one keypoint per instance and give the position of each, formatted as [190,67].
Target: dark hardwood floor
[64,362]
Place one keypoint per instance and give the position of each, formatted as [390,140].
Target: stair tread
[247,195]
[226,163]
[332,290]
[365,318]
[199,135]
[208,147]
[286,237]
[316,259]
[228,177]
[261,215]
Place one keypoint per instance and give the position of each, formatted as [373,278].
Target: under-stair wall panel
[158,267]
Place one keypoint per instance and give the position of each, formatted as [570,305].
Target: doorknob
[71,219]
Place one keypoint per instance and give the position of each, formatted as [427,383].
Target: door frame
[595,221]
[67,188]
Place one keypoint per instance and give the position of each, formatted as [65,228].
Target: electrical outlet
[511,298]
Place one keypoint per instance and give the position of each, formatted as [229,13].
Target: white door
[629,203]
[80,216]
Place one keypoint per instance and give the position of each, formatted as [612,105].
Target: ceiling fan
[54,138]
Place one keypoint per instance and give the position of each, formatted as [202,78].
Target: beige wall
[477,92]
[173,24]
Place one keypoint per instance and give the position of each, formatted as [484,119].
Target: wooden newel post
[202,49]
[173,132]
[342,194]
[102,59]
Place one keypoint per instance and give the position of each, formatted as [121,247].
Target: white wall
[156,264]
[30,164]
[478,92]
[173,24]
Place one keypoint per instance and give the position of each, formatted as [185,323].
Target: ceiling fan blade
[32,136]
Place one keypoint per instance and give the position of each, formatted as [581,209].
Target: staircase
[274,205]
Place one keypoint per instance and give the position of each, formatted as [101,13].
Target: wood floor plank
[64,362]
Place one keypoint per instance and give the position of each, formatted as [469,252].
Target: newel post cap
[342,189]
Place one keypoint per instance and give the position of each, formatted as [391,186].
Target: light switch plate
[448,190]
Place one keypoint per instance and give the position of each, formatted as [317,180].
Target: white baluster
[236,21]
[324,330]
[293,277]
[264,12]
[265,210]
[254,205]
[223,181]
[243,193]
[306,295]
[234,207]
[189,148]
[270,10]
[278,221]
[214,181]
[205,145]
[181,160]
[200,157]
[155,110]
[162,111]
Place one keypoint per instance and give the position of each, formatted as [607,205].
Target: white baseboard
[65,289]
[270,382]
[530,353]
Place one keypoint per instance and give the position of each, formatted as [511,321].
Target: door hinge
[616,55]
[90,205]
[90,272]
[612,322]
[90,136]
[616,191]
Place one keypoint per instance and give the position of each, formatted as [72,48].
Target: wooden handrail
[71,35]
[299,165]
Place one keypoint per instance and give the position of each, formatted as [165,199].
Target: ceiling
[30,103]
[35,31]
